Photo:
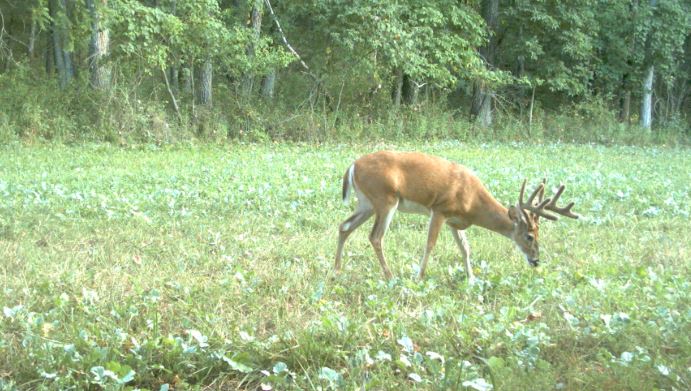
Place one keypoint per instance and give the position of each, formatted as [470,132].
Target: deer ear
[518,215]
[514,214]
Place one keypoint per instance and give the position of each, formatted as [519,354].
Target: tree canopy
[370,55]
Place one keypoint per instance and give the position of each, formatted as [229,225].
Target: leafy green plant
[188,265]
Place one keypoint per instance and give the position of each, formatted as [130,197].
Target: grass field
[212,266]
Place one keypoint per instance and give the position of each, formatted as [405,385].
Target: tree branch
[283,35]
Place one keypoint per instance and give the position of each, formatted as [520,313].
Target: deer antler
[550,204]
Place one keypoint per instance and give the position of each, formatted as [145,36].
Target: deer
[449,193]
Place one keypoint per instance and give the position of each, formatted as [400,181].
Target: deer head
[526,219]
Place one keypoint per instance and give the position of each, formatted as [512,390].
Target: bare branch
[283,35]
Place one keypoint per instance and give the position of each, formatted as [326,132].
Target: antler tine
[542,191]
[549,204]
[538,190]
[538,209]
[520,195]
[564,211]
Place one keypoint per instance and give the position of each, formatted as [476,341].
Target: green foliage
[668,25]
[144,33]
[432,41]
[187,32]
[187,266]
[551,58]
[131,119]
[555,41]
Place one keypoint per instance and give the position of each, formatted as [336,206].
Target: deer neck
[492,215]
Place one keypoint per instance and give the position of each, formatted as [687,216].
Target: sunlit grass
[212,265]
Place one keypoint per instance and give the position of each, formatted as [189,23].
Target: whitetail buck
[412,182]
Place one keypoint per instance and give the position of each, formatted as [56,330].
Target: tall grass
[36,110]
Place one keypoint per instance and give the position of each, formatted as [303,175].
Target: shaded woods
[164,70]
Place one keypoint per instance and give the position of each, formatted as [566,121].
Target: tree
[255,28]
[666,29]
[647,100]
[555,42]
[481,107]
[360,45]
[98,46]
[204,83]
[60,23]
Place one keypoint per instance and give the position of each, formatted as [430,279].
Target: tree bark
[63,59]
[32,38]
[49,53]
[269,84]
[255,26]
[647,101]
[398,88]
[625,99]
[98,48]
[187,76]
[204,84]
[625,113]
[481,107]
[57,44]
[646,117]
[173,75]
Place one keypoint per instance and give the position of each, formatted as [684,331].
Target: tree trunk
[647,101]
[57,43]
[625,113]
[625,99]
[63,59]
[256,26]
[50,54]
[174,78]
[646,119]
[409,90]
[204,84]
[172,73]
[269,84]
[398,88]
[481,107]
[187,80]
[98,48]
[32,38]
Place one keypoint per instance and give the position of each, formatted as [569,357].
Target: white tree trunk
[647,101]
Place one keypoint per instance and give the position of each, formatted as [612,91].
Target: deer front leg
[462,242]
[435,224]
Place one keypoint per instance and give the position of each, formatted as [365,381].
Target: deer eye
[529,237]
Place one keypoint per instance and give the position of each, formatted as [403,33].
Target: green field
[211,266]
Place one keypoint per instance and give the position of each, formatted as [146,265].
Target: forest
[164,70]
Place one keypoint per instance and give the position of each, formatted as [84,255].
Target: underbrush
[37,110]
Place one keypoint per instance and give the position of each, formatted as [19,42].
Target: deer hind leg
[462,242]
[363,212]
[435,225]
[382,220]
